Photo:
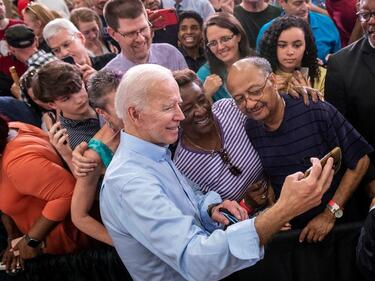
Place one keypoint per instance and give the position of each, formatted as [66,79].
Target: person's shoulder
[347,52]
[204,71]
[320,20]
[273,8]
[224,104]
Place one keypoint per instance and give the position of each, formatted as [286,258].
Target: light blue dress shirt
[326,35]
[160,225]
[203,7]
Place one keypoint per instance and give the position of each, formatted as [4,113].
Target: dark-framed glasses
[222,40]
[365,16]
[144,31]
[251,95]
[234,170]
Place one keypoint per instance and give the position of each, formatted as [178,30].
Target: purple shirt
[160,53]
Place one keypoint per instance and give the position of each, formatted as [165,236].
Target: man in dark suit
[350,80]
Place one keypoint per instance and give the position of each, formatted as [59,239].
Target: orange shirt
[33,182]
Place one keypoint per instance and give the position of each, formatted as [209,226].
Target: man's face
[134,37]
[152,4]
[160,118]
[64,44]
[368,26]
[73,106]
[190,33]
[298,8]
[2,10]
[99,5]
[255,94]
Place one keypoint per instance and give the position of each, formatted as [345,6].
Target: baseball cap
[19,36]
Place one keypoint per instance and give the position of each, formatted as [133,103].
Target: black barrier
[286,259]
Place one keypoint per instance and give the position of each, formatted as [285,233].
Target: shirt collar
[145,148]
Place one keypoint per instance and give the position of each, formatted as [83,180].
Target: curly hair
[268,44]
[227,21]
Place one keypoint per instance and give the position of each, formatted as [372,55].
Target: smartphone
[166,17]
[232,219]
[52,116]
[69,59]
[335,154]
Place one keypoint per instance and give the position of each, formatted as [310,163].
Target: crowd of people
[177,134]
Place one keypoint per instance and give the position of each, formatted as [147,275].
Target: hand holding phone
[232,219]
[335,154]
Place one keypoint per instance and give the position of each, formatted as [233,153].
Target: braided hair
[268,44]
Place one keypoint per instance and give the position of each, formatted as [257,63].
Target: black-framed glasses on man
[222,40]
[251,95]
[365,16]
[144,31]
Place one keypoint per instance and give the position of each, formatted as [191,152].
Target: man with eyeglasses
[286,135]
[65,41]
[129,26]
[350,80]
[161,226]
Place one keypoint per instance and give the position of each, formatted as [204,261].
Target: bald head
[242,71]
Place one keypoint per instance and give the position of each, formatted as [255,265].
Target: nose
[290,51]
[250,104]
[199,110]
[179,116]
[64,52]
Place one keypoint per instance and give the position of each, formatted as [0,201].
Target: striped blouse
[207,169]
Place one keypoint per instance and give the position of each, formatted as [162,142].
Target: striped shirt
[207,169]
[306,132]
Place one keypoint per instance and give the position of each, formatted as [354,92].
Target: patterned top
[208,170]
[80,130]
[306,132]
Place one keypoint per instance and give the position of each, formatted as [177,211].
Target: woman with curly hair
[225,42]
[290,48]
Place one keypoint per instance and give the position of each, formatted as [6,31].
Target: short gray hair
[135,85]
[260,63]
[56,25]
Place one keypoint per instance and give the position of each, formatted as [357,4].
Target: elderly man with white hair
[65,40]
[161,226]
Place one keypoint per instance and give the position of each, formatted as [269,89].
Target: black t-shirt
[253,21]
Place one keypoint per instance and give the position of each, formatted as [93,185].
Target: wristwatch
[335,209]
[33,243]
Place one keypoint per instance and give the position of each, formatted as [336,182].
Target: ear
[134,115]
[272,78]
[99,111]
[112,33]
[52,105]
[81,37]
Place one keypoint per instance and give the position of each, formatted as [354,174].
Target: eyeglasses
[134,34]
[222,40]
[234,170]
[253,96]
[65,45]
[365,16]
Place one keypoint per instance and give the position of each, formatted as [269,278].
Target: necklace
[222,152]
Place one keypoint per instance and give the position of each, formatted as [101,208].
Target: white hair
[56,25]
[135,84]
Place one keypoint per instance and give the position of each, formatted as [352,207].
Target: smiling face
[298,8]
[197,111]
[228,52]
[160,118]
[244,82]
[291,47]
[152,4]
[135,49]
[368,26]
[2,10]
[190,33]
